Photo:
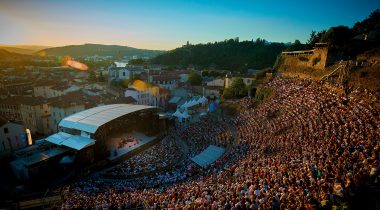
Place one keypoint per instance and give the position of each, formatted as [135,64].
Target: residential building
[95,89]
[163,98]
[121,100]
[10,108]
[247,81]
[122,73]
[63,108]
[63,89]
[4,93]
[183,75]
[43,89]
[35,114]
[216,83]
[152,96]
[169,82]
[12,137]
[52,89]
[16,86]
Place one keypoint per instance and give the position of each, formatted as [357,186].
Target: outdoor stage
[122,144]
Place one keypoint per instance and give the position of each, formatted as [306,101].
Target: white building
[61,90]
[122,73]
[43,89]
[50,90]
[145,97]
[152,96]
[216,83]
[247,81]
[168,82]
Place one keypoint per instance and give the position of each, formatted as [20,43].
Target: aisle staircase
[342,72]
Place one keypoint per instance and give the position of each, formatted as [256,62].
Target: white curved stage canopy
[91,119]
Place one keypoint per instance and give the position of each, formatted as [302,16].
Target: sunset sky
[169,24]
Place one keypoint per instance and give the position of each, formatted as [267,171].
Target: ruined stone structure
[317,58]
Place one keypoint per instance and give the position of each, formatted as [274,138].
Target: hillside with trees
[23,49]
[231,54]
[362,36]
[358,47]
[9,58]
[235,55]
[98,49]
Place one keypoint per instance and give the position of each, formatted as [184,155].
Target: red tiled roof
[164,77]
[17,100]
[122,100]
[163,91]
[42,83]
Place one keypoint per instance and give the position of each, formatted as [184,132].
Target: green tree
[195,78]
[296,45]
[101,77]
[337,36]
[370,23]
[238,87]
[227,93]
[137,61]
[125,83]
[313,36]
[228,55]
[92,76]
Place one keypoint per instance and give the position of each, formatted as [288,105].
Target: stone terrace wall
[316,58]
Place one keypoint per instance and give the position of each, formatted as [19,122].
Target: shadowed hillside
[10,56]
[98,49]
[230,54]
[23,49]
[342,55]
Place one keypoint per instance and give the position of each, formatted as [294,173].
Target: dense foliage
[372,22]
[230,54]
[236,56]
[137,61]
[214,73]
[237,89]
[342,35]
[195,78]
[92,76]
[125,83]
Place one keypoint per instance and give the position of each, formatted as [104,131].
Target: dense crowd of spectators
[306,148]
[204,133]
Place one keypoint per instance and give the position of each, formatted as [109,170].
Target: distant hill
[98,49]
[232,54]
[10,59]
[6,55]
[23,49]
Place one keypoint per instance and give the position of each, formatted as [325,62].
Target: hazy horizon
[170,24]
